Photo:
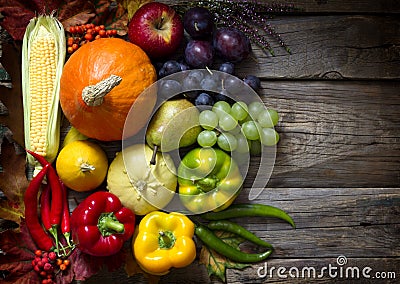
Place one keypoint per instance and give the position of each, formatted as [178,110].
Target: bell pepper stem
[115,226]
[166,239]
[108,224]
[207,184]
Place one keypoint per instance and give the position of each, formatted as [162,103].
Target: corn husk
[36,26]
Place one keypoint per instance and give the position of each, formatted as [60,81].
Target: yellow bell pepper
[164,241]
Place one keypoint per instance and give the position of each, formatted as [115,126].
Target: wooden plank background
[337,167]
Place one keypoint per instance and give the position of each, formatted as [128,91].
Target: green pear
[175,124]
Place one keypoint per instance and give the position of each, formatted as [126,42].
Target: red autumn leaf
[18,252]
[13,182]
[112,15]
[17,14]
[78,19]
[76,12]
[83,266]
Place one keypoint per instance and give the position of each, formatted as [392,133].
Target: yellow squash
[82,165]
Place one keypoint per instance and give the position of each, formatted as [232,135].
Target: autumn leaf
[17,254]
[78,19]
[217,264]
[76,12]
[109,13]
[18,13]
[112,15]
[132,6]
[18,249]
[84,266]
[13,181]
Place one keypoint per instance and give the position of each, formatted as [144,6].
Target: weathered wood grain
[331,47]
[335,6]
[313,208]
[356,43]
[335,133]
[330,222]
[309,271]
[12,97]
[337,169]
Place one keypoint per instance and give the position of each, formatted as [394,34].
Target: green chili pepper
[212,241]
[234,228]
[249,210]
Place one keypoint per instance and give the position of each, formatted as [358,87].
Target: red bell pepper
[100,224]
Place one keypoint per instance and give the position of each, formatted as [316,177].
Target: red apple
[157,29]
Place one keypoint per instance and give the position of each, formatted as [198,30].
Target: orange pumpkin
[99,84]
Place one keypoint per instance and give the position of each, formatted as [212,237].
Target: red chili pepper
[42,240]
[56,195]
[45,207]
[100,224]
[56,190]
[65,221]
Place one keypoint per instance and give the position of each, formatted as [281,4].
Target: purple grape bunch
[250,17]
[206,43]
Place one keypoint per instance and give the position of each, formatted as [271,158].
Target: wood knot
[332,75]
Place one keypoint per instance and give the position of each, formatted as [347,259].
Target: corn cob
[43,56]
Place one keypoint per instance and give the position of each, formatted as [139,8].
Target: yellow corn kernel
[42,64]
[43,56]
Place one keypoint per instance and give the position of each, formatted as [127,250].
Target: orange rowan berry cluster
[46,264]
[81,34]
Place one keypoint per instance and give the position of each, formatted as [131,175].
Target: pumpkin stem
[93,95]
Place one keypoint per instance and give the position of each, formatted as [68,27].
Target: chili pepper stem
[67,237]
[53,231]
[64,251]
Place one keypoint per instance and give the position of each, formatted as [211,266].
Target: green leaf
[217,264]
